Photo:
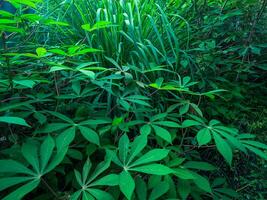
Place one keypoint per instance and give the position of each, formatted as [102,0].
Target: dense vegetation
[133,99]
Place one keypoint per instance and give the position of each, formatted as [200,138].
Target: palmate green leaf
[22,191]
[61,116]
[189,123]
[123,148]
[25,83]
[232,140]
[223,147]
[14,120]
[156,169]
[126,184]
[203,136]
[183,173]
[11,166]
[65,138]
[160,189]
[258,152]
[145,130]
[46,151]
[89,134]
[202,183]
[199,165]
[57,159]
[168,124]
[100,168]
[137,146]
[53,127]
[255,144]
[162,133]
[151,156]
[109,180]
[86,169]
[10,181]
[86,195]
[141,188]
[30,153]
[100,194]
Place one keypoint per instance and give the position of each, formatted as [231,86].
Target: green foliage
[133,100]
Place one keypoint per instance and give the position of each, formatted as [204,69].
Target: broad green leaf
[141,188]
[255,144]
[203,136]
[258,152]
[88,73]
[110,180]
[123,148]
[199,165]
[145,130]
[100,194]
[156,169]
[223,147]
[25,83]
[189,122]
[86,169]
[137,146]
[53,127]
[30,153]
[10,181]
[202,183]
[162,133]
[151,156]
[57,159]
[159,190]
[89,134]
[183,173]
[127,184]
[22,191]
[61,116]
[65,138]
[167,123]
[11,166]
[100,168]
[14,120]
[46,151]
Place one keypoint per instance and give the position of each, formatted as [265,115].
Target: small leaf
[14,120]
[110,180]
[189,122]
[203,136]
[224,149]
[156,169]
[137,146]
[100,194]
[162,133]
[151,156]
[123,148]
[145,129]
[159,190]
[41,51]
[30,153]
[65,138]
[89,134]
